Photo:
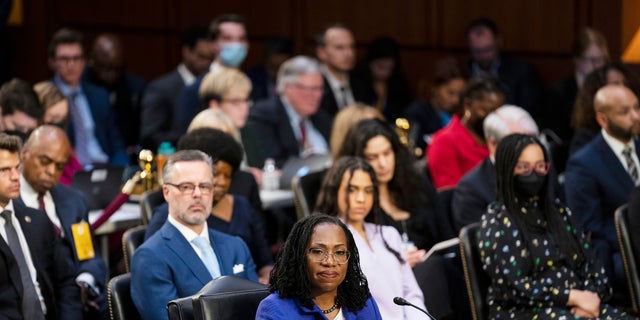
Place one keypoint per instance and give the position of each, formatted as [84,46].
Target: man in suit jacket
[519,78]
[48,287]
[230,47]
[335,48]
[600,177]
[478,188]
[292,124]
[184,255]
[44,157]
[159,99]
[93,130]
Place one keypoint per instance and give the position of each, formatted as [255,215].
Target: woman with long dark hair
[317,275]
[406,197]
[540,265]
[350,192]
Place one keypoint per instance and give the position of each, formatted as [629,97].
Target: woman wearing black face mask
[539,262]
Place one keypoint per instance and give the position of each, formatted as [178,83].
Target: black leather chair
[305,191]
[229,298]
[148,201]
[226,297]
[131,240]
[121,306]
[629,254]
[476,279]
[444,215]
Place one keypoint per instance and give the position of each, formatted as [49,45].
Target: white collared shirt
[316,142]
[190,234]
[25,250]
[30,198]
[337,88]
[617,146]
[186,75]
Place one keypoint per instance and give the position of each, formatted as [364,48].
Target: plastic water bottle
[270,178]
[164,151]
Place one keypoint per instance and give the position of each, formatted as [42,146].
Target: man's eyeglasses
[187,188]
[67,59]
[525,168]
[236,102]
[308,89]
[320,255]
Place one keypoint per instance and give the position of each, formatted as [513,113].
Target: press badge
[82,238]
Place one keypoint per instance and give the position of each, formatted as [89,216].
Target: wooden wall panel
[539,31]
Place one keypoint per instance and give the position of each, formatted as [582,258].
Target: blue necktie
[208,257]
[31,308]
[81,140]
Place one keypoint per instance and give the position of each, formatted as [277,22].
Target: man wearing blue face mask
[230,45]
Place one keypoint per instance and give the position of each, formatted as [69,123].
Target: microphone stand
[403,302]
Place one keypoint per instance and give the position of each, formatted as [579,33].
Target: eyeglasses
[187,188]
[67,59]
[236,102]
[308,89]
[320,255]
[525,168]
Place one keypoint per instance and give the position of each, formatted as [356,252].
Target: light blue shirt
[96,154]
[316,144]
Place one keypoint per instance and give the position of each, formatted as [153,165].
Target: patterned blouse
[534,280]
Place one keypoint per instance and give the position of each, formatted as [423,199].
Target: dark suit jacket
[477,189]
[106,130]
[596,183]
[425,121]
[188,105]
[521,84]
[54,266]
[158,110]
[329,103]
[270,123]
[71,208]
[166,267]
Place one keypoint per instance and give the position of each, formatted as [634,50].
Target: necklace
[334,307]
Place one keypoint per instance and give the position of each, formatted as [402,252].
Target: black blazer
[158,110]
[475,191]
[269,122]
[329,103]
[54,266]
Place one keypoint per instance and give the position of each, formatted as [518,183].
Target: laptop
[99,186]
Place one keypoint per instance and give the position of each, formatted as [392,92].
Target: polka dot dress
[533,282]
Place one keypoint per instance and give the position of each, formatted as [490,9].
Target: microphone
[403,302]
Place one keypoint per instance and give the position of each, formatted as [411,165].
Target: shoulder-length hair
[289,276]
[405,176]
[328,197]
[507,154]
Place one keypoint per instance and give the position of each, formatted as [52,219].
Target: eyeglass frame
[191,188]
[533,168]
[325,255]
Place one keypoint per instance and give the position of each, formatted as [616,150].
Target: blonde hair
[347,118]
[221,81]
[216,119]
[48,94]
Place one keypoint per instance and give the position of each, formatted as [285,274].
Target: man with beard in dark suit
[36,268]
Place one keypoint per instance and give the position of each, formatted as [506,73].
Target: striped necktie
[631,165]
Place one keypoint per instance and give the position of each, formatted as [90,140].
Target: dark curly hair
[217,144]
[507,154]
[289,276]
[405,176]
[328,197]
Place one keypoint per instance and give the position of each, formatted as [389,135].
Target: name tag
[82,238]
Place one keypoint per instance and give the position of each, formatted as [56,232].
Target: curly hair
[289,276]
[405,176]
[328,197]
[217,144]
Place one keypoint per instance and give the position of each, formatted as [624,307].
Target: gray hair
[506,120]
[291,69]
[184,155]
